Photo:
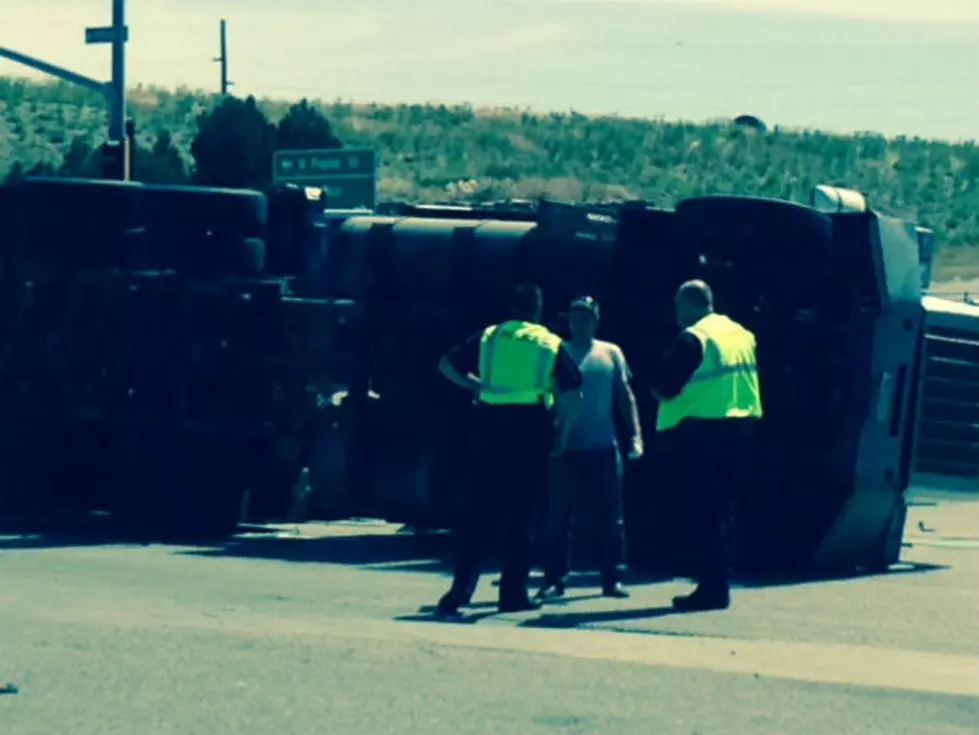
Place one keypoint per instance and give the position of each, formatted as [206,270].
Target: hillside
[433,152]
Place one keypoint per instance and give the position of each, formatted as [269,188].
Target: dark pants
[585,490]
[509,471]
[713,456]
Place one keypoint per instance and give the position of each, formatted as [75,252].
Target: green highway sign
[348,176]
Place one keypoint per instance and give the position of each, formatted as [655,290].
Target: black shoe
[518,605]
[616,591]
[449,604]
[699,601]
[550,590]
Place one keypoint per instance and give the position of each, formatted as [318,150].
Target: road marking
[866,666]
[826,664]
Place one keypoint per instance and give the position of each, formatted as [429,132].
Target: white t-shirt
[601,367]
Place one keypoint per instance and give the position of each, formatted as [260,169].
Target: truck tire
[328,466]
[891,537]
[234,212]
[217,257]
[79,196]
[185,489]
[203,232]
[32,442]
[78,224]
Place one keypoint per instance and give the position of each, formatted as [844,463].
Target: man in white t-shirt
[586,479]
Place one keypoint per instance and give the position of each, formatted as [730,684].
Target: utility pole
[223,58]
[113,91]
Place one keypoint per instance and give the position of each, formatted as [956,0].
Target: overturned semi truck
[175,356]
[832,290]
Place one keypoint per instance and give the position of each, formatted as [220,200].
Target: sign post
[114,91]
[348,176]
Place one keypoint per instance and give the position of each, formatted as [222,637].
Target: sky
[890,66]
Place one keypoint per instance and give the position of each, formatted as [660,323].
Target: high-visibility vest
[520,357]
[725,385]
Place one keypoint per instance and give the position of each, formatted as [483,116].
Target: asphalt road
[318,631]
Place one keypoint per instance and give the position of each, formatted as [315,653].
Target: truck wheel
[180,488]
[240,212]
[77,223]
[78,197]
[888,548]
[203,232]
[330,495]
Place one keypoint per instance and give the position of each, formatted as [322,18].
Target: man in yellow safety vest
[528,391]
[710,399]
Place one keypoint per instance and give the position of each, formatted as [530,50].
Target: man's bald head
[694,300]
[697,294]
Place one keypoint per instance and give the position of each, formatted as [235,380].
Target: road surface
[317,630]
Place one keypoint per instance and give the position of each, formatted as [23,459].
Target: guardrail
[946,448]
[968,297]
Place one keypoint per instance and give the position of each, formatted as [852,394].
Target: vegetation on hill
[439,153]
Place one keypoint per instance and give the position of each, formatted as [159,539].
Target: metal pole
[114,90]
[224,56]
[117,102]
[55,71]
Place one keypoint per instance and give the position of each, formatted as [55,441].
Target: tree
[162,164]
[304,127]
[42,168]
[80,160]
[15,175]
[233,146]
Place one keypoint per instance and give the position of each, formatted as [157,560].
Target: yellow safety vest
[725,386]
[520,357]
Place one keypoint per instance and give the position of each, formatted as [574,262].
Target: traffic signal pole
[55,71]
[113,91]
[117,102]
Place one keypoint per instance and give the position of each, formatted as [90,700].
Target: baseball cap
[585,303]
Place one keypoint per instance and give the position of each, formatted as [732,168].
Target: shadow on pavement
[84,531]
[483,610]
[403,552]
[463,619]
[59,532]
[790,580]
[489,605]
[567,621]
[29,542]
[572,620]
[384,551]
